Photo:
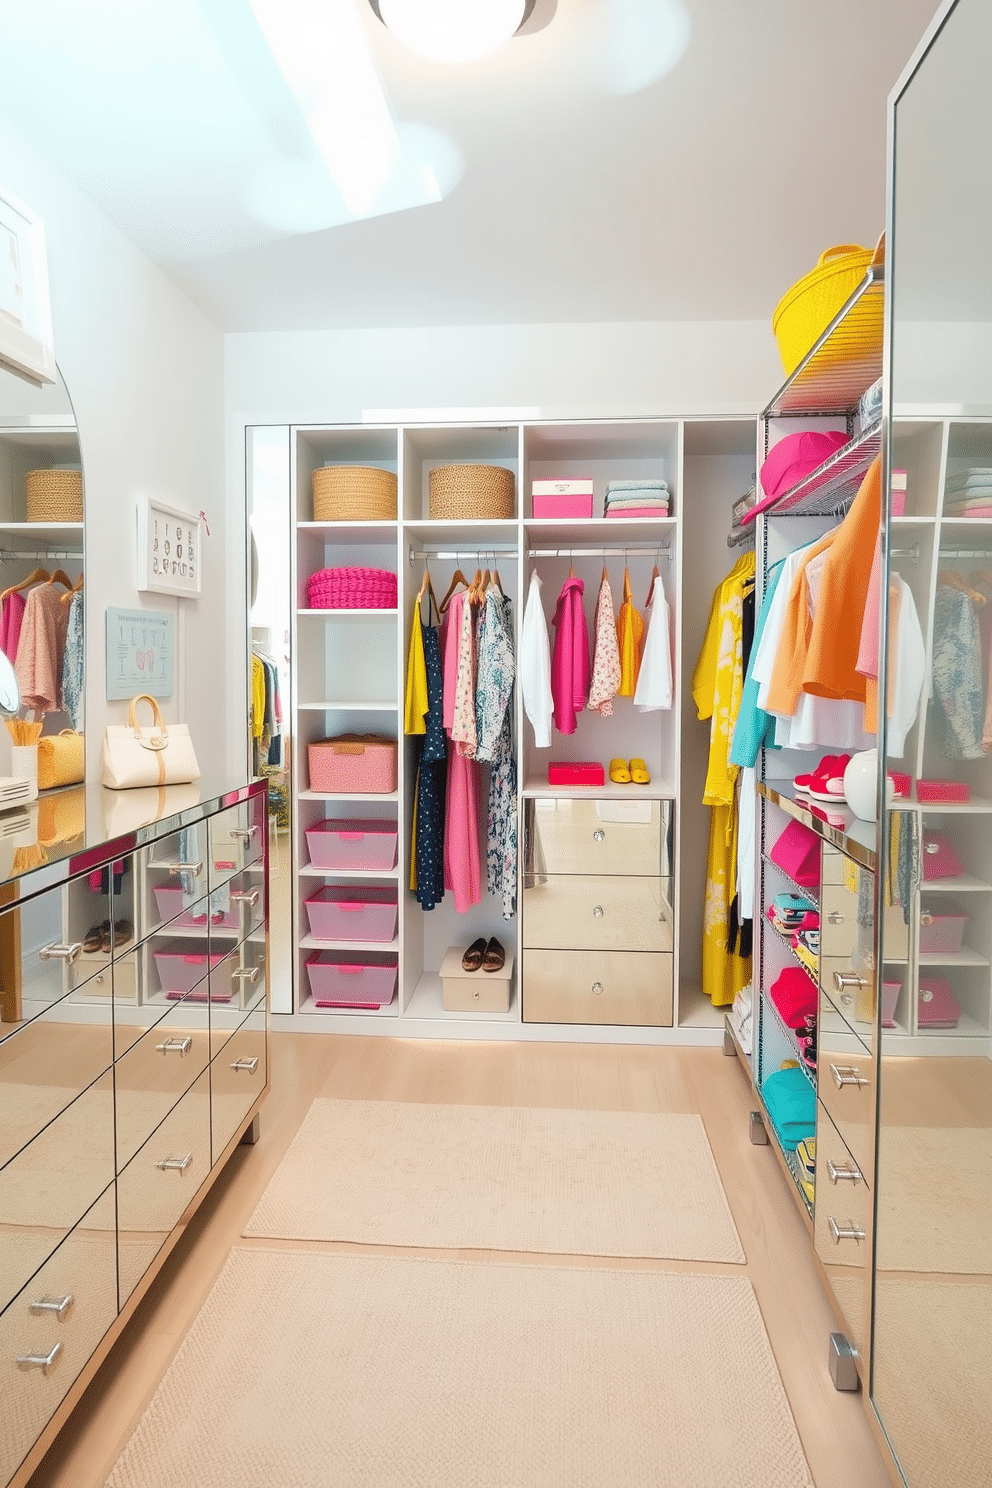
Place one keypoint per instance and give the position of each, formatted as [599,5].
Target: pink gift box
[350,979]
[566,505]
[588,772]
[349,913]
[353,844]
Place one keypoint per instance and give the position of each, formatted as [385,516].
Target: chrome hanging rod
[581,550]
[452,555]
[964,552]
[913,554]
[40,555]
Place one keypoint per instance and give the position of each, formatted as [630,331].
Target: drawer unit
[606,837]
[50,1329]
[244,973]
[51,1183]
[91,978]
[236,839]
[609,914]
[151,1076]
[842,1226]
[44,1065]
[247,895]
[237,1078]
[609,987]
[161,1181]
[846,1084]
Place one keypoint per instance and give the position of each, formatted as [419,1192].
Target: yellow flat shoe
[639,772]
[619,773]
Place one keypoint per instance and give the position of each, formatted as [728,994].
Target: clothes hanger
[456,578]
[654,575]
[571,566]
[40,575]
[953,580]
[496,578]
[427,587]
[61,577]
[77,588]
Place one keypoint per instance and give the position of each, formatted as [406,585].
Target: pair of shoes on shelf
[123,932]
[826,782]
[627,772]
[95,938]
[487,954]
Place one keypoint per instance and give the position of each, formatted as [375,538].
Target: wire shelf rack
[839,367]
[832,486]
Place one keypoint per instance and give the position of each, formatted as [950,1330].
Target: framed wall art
[140,648]
[169,549]
[26,343]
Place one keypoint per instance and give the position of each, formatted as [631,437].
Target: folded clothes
[638,504]
[976,475]
[791,1103]
[973,496]
[794,994]
[972,511]
[637,511]
[652,484]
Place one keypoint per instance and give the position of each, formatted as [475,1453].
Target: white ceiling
[701,195]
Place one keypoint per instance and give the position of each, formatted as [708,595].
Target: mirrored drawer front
[161,1181]
[47,1188]
[237,1077]
[847,1006]
[242,973]
[610,914]
[842,1226]
[246,892]
[609,987]
[237,839]
[91,978]
[845,1079]
[44,1065]
[51,1328]
[582,836]
[155,1072]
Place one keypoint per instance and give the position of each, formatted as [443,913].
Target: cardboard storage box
[474,991]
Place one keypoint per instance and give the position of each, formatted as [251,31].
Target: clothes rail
[582,550]
[452,555]
[965,552]
[39,555]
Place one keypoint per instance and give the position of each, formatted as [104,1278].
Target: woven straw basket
[805,311]
[468,492]
[54,496]
[354,493]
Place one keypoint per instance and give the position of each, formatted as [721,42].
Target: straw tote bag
[143,755]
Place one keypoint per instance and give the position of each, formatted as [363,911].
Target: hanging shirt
[415,716]
[535,666]
[606,657]
[905,671]
[654,679]
[957,673]
[72,664]
[630,634]
[41,647]
[570,657]
[11,618]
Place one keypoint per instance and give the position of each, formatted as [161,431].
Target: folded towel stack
[791,1103]
[968,493]
[637,498]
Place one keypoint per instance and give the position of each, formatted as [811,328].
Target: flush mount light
[452,30]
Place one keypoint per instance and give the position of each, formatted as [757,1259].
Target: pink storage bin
[358,764]
[562,505]
[890,997]
[353,845]
[170,907]
[353,913]
[942,930]
[351,979]
[180,972]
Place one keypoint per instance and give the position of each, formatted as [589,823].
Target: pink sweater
[570,657]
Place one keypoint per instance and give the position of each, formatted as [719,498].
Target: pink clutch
[939,858]
[797,853]
[589,772]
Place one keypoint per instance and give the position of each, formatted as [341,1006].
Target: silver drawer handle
[836,1174]
[193,869]
[251,1065]
[844,979]
[245,896]
[597,988]
[597,913]
[58,952]
[246,973]
[175,1164]
[244,834]
[847,1074]
[176,1046]
[850,1232]
[59,1306]
[45,1362]
[599,835]
[835,917]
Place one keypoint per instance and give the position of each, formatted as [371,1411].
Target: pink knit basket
[352,589]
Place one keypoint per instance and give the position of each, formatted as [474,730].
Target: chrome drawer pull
[57,952]
[599,835]
[176,1046]
[597,988]
[847,1074]
[245,896]
[852,1232]
[175,1164]
[835,917]
[251,1065]
[844,979]
[597,913]
[45,1362]
[60,1306]
[244,834]
[246,973]
[835,1174]
[193,869]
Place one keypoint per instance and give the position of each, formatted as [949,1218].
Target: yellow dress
[416,680]
[630,635]
[257,698]
[717,684]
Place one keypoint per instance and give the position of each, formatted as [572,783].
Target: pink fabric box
[353,845]
[350,979]
[179,973]
[353,764]
[170,907]
[350,913]
[589,772]
[566,505]
[942,930]
[890,996]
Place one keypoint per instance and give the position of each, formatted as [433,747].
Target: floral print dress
[494,734]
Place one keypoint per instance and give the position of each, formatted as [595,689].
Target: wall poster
[140,647]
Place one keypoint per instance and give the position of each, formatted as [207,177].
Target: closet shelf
[330,706]
[658,790]
[836,370]
[309,871]
[311,943]
[582,530]
[345,614]
[965,957]
[856,838]
[54,537]
[807,893]
[309,795]
[307,1005]
[834,484]
[352,534]
[787,942]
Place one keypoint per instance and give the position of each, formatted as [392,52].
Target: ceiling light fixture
[452,30]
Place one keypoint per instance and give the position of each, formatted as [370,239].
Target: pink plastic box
[353,845]
[566,505]
[179,973]
[351,979]
[587,772]
[170,907]
[354,764]
[942,930]
[352,913]
[890,996]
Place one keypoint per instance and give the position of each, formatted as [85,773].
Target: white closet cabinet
[349,670]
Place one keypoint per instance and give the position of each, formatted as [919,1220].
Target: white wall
[144,368]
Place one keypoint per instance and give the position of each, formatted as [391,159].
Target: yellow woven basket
[471,492]
[803,314]
[354,493]
[54,496]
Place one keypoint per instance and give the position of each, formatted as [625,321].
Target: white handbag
[136,755]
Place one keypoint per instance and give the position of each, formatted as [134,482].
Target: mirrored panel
[932,1335]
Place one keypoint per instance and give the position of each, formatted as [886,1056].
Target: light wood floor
[833,1427]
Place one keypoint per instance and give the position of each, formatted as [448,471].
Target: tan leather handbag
[61,759]
[139,755]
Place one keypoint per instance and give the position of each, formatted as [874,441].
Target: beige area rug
[932,1362]
[607,1183]
[313,1370]
[935,1200]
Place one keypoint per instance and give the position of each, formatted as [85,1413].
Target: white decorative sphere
[860,779]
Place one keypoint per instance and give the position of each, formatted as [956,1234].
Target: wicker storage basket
[54,495]
[471,492]
[804,313]
[354,493]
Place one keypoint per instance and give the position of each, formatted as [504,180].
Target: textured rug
[935,1199]
[313,1370]
[607,1183]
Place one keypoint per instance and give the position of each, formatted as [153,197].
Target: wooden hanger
[953,580]
[496,577]
[475,588]
[981,576]
[426,587]
[654,575]
[40,576]
[456,578]
[61,577]
[77,588]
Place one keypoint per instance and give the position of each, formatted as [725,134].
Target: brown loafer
[473,957]
[94,937]
[495,956]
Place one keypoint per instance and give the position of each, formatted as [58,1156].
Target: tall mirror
[932,1337]
[41,622]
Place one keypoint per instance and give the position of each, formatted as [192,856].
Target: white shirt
[654,680]
[534,665]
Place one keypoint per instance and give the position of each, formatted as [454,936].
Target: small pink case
[351,979]
[589,772]
[351,913]
[566,505]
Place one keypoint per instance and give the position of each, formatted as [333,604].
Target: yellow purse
[61,759]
